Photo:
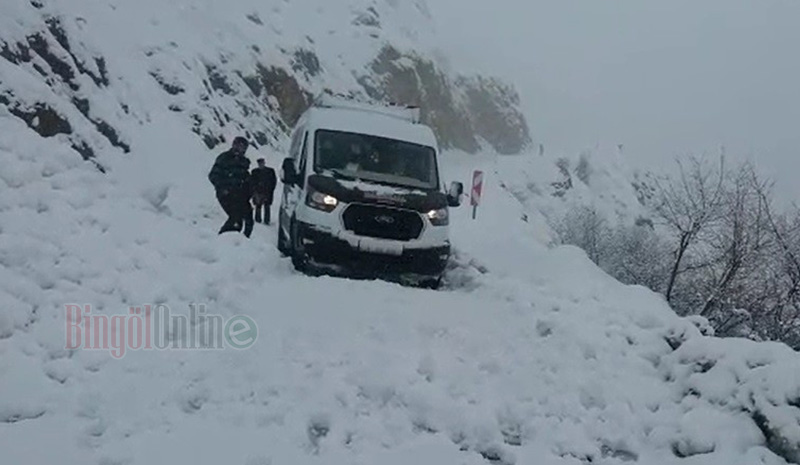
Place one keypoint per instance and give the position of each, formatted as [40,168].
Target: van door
[292,193]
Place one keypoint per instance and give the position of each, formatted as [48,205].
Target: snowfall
[529,354]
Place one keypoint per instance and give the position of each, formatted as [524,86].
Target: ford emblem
[384,219]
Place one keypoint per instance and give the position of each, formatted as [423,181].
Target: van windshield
[375,159]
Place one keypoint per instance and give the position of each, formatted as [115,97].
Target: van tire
[299,257]
[431,283]
[283,246]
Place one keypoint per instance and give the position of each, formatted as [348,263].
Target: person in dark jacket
[262,180]
[230,176]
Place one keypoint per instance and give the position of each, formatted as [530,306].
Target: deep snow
[532,355]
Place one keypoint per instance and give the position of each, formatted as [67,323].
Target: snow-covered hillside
[530,354]
[94,74]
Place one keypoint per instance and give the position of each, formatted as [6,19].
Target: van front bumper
[362,256]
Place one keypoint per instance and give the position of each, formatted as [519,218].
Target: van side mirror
[454,194]
[288,172]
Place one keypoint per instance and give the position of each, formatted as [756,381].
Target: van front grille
[382,222]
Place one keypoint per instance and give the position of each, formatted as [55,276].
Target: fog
[664,78]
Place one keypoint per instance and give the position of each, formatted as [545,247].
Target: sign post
[475,193]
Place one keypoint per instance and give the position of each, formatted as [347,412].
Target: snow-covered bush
[717,248]
[586,228]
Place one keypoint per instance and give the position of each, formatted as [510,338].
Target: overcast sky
[662,77]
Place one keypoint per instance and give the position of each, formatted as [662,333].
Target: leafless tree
[719,248]
[638,255]
[778,315]
[739,242]
[687,206]
[586,228]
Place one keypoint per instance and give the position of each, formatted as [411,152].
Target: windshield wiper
[338,174]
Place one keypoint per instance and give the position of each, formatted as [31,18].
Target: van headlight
[321,201]
[439,217]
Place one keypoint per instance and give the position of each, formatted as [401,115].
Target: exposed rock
[83,148]
[218,81]
[411,80]
[618,453]
[368,18]
[40,117]
[100,78]
[261,138]
[209,138]
[565,184]
[460,112]
[82,105]
[102,127]
[275,82]
[169,87]
[87,153]
[776,442]
[60,70]
[38,43]
[255,19]
[493,107]
[253,82]
[305,61]
[20,55]
[111,134]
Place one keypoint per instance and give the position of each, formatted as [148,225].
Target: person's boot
[248,222]
[229,225]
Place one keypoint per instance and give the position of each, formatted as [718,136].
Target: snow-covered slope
[555,183]
[530,355]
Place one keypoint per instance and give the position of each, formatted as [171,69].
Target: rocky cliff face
[94,73]
[464,111]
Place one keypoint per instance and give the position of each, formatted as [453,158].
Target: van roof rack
[403,112]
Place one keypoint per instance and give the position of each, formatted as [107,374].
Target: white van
[363,194]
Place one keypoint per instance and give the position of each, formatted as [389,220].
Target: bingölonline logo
[155,327]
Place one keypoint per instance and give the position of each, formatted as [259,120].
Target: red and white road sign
[477,188]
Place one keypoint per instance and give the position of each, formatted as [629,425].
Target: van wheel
[283,246]
[431,283]
[299,257]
